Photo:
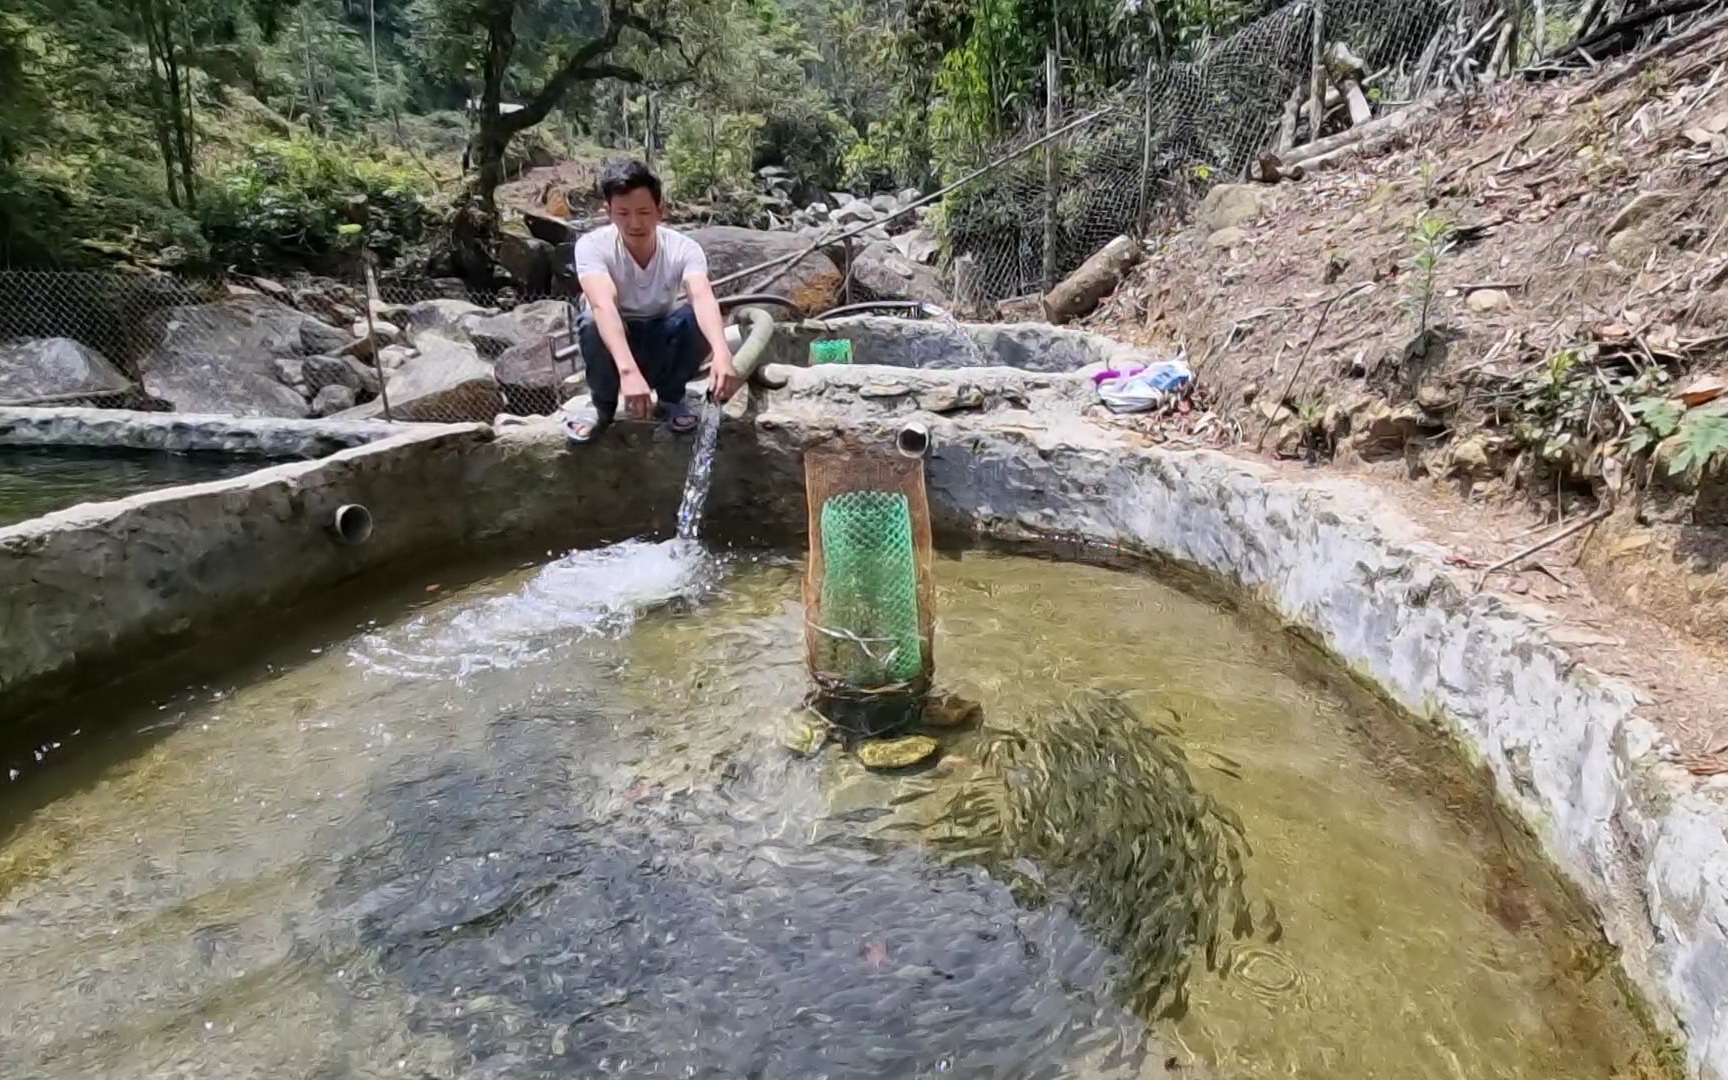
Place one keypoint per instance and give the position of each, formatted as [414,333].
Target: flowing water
[40,480]
[541,826]
[701,475]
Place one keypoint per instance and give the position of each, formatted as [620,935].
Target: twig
[1260,443]
[1576,527]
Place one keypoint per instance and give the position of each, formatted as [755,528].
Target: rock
[332,302]
[898,753]
[530,324]
[531,381]
[1643,207]
[369,339]
[813,284]
[529,261]
[35,368]
[1227,237]
[950,711]
[392,357]
[1470,457]
[885,274]
[803,733]
[322,371]
[1384,431]
[918,245]
[884,204]
[1229,205]
[1483,301]
[1433,399]
[445,318]
[289,370]
[332,399]
[317,338]
[221,357]
[554,231]
[856,212]
[446,381]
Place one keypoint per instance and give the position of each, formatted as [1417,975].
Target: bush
[286,202]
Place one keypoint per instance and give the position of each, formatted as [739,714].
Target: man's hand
[723,378]
[633,394]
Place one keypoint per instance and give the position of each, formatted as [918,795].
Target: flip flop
[585,426]
[679,417]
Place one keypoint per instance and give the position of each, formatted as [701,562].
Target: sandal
[586,426]
[679,417]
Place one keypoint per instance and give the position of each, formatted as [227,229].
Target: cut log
[1081,291]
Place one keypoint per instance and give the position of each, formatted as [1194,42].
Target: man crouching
[638,344]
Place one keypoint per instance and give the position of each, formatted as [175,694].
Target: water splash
[586,593]
[701,475]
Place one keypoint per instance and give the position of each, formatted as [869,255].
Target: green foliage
[1701,442]
[298,200]
[1432,239]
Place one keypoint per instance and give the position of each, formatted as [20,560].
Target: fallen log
[1080,292]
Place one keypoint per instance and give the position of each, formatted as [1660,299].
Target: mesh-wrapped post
[831,351]
[869,595]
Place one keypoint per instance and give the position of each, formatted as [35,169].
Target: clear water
[37,480]
[541,826]
[701,474]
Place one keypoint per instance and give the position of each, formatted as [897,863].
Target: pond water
[40,480]
[542,826]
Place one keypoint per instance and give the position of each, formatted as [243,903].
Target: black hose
[915,307]
[727,303]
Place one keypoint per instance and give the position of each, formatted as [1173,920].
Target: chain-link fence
[1310,70]
[406,351]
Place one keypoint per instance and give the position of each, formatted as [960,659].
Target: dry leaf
[1704,388]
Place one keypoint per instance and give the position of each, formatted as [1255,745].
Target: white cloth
[643,291]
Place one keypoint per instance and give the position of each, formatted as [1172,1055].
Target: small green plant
[1700,441]
[1432,238]
[1427,171]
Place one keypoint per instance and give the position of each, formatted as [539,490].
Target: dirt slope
[1578,305]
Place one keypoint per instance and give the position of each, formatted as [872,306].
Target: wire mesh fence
[1143,154]
[252,347]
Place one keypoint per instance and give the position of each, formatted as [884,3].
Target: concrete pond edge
[119,429]
[1570,754]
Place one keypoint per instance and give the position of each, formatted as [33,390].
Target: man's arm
[723,377]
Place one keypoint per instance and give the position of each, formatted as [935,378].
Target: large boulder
[529,261]
[221,357]
[36,368]
[528,324]
[813,284]
[442,318]
[446,381]
[531,380]
[885,274]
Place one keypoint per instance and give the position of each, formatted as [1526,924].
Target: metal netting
[1140,156]
[416,350]
[869,594]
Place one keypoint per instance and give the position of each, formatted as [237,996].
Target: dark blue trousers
[669,351]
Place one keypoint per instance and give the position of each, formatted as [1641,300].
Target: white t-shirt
[643,291]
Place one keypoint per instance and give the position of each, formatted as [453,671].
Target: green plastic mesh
[837,351]
[870,627]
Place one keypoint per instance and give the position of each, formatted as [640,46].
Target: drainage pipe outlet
[351,524]
[913,441]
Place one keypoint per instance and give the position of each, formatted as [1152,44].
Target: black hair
[623,177]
